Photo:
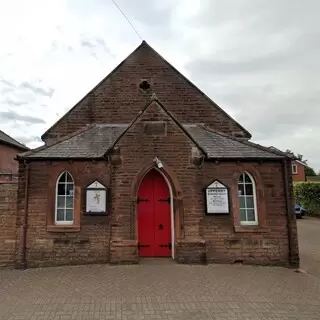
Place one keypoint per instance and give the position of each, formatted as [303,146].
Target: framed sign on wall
[96,199]
[217,198]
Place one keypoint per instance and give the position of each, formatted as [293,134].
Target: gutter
[25,223]
[289,212]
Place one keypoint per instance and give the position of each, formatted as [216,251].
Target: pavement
[161,289]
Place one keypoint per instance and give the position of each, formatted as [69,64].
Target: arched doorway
[154,216]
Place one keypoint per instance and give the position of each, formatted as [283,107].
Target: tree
[309,171]
[298,156]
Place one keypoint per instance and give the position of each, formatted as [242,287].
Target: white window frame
[249,223]
[56,202]
[294,168]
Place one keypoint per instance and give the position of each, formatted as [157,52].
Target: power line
[132,26]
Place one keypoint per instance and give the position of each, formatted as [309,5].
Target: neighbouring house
[297,166]
[147,165]
[9,148]
[298,171]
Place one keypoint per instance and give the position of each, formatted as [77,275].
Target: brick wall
[90,245]
[300,175]
[203,238]
[8,208]
[138,151]
[198,238]
[8,166]
[268,247]
[118,99]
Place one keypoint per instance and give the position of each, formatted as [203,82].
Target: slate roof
[4,138]
[219,146]
[95,140]
[91,142]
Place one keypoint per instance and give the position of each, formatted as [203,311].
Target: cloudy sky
[258,59]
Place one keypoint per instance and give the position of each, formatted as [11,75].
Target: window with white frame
[64,199]
[247,200]
[294,169]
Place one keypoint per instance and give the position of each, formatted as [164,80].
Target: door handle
[160,226]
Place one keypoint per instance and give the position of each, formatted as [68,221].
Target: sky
[258,60]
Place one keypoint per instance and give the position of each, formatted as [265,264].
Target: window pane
[60,214]
[61,189]
[250,213]
[61,201]
[70,189]
[69,178]
[247,178]
[241,178]
[243,215]
[249,189]
[240,189]
[69,214]
[250,202]
[242,202]
[69,203]
[62,178]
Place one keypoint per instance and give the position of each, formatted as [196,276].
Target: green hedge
[307,194]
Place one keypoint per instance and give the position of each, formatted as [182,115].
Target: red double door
[154,218]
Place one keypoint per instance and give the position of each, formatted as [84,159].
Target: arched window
[64,199]
[247,199]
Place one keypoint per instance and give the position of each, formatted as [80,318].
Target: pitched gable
[117,98]
[156,112]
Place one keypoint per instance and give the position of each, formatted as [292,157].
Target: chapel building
[147,165]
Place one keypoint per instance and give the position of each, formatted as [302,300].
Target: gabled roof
[95,141]
[289,155]
[154,100]
[6,139]
[301,162]
[220,146]
[144,44]
[90,143]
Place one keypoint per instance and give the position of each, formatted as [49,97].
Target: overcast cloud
[259,60]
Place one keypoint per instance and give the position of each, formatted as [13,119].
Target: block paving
[161,289]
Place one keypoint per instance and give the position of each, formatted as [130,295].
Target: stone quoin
[124,175]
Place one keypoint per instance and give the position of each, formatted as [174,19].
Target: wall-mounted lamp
[158,163]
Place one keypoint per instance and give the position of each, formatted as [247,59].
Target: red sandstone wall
[8,208]
[90,245]
[198,237]
[119,99]
[266,247]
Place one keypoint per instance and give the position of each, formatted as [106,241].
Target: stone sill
[63,228]
[251,229]
[191,241]
[124,243]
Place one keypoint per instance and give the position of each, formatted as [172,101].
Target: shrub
[307,194]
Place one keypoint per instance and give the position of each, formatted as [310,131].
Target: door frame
[171,208]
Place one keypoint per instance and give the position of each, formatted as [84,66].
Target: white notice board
[217,198]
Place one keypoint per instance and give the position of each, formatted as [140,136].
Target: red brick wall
[8,208]
[268,247]
[7,163]
[300,175]
[44,248]
[199,238]
[137,152]
[118,99]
